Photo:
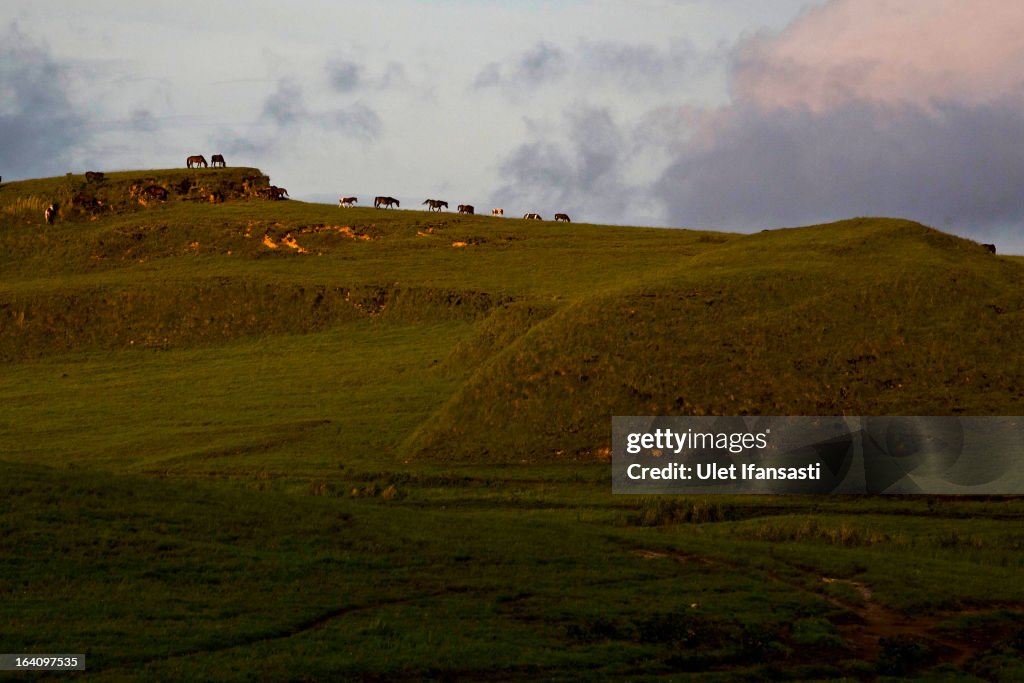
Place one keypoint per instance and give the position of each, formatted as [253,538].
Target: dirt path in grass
[868,623]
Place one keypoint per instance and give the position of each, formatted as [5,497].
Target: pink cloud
[889,52]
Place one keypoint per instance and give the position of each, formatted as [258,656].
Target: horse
[466,208]
[435,204]
[155,192]
[196,160]
[94,177]
[273,192]
[385,202]
[562,217]
[532,217]
[86,202]
[497,212]
[347,201]
[990,248]
[217,160]
[51,213]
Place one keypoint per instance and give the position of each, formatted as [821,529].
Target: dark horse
[217,160]
[94,177]
[562,217]
[435,204]
[155,192]
[466,208]
[196,160]
[273,192]
[385,202]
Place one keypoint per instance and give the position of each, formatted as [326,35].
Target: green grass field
[259,440]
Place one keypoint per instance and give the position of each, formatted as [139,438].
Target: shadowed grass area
[276,440]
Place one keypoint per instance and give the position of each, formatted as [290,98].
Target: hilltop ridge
[82,196]
[549,329]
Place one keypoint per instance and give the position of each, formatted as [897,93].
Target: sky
[735,115]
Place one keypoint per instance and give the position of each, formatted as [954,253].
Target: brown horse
[94,177]
[385,202]
[466,208]
[51,213]
[562,217]
[155,192]
[196,160]
[217,160]
[347,201]
[435,204]
[273,192]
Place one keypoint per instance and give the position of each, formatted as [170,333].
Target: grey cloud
[542,63]
[39,124]
[591,63]
[488,76]
[344,76]
[956,169]
[253,145]
[285,105]
[143,121]
[286,116]
[634,65]
[394,76]
[584,175]
[357,121]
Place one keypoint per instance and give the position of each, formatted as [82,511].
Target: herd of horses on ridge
[440,205]
[278,193]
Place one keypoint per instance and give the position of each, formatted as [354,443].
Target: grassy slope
[863,317]
[170,341]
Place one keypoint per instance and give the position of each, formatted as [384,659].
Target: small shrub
[818,633]
[679,628]
[902,655]
[664,512]
[758,644]
[595,629]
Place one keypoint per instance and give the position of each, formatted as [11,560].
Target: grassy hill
[560,327]
[327,443]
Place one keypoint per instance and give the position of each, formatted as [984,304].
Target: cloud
[39,124]
[344,76]
[285,117]
[581,167]
[357,121]
[542,63]
[957,169]
[285,105]
[865,107]
[143,121]
[590,63]
[889,52]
